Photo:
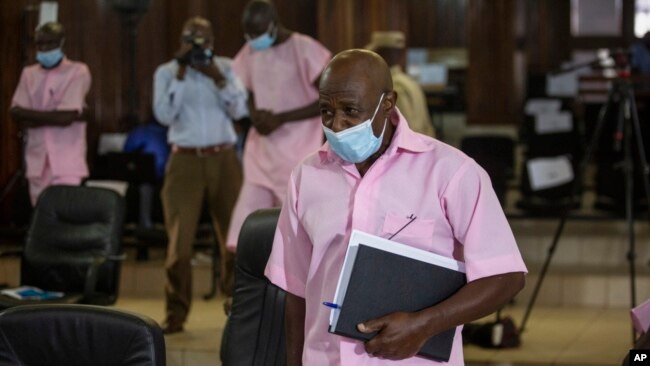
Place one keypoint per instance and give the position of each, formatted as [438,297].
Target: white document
[549,172]
[48,12]
[359,237]
[537,106]
[557,122]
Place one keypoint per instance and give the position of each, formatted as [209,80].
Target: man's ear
[389,102]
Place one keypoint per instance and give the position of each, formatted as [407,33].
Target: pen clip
[412,218]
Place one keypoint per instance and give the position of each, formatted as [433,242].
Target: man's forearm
[34,118]
[294,320]
[475,300]
[295,115]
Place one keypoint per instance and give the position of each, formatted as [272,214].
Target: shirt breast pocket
[418,232]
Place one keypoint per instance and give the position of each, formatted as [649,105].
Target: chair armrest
[93,271]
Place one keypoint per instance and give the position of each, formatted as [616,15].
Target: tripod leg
[565,213]
[636,129]
[628,166]
[640,148]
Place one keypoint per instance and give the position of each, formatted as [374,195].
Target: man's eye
[351,111]
[325,112]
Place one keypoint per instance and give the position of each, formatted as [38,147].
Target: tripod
[627,126]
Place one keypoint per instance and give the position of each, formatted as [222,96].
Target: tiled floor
[555,336]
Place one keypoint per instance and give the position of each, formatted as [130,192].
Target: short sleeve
[21,95]
[74,97]
[288,264]
[316,57]
[479,224]
[241,68]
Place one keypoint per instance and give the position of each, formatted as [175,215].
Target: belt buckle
[199,152]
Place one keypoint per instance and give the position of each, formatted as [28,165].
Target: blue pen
[331,305]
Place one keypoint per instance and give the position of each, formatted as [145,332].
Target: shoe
[172,326]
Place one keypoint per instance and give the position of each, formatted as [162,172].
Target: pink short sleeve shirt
[281,79]
[62,88]
[458,215]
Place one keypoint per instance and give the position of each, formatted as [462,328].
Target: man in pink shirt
[280,69]
[374,175]
[49,103]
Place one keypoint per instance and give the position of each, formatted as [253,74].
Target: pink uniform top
[281,79]
[61,88]
[458,215]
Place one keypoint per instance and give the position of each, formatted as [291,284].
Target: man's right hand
[180,55]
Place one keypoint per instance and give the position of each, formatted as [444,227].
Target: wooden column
[495,74]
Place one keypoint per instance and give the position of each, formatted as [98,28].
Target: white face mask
[358,143]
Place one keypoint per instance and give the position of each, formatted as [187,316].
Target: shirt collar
[404,139]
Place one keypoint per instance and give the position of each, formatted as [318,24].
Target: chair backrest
[73,335]
[71,225]
[495,153]
[254,333]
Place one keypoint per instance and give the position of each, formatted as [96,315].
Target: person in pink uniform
[49,103]
[374,174]
[280,69]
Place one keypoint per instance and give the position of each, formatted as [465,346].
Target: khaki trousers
[188,180]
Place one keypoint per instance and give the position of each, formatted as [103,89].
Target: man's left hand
[400,335]
[212,71]
[265,122]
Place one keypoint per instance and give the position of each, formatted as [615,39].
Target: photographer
[198,97]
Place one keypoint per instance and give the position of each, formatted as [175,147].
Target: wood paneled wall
[497,34]
[95,35]
[494,82]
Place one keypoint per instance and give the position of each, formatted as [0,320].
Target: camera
[197,55]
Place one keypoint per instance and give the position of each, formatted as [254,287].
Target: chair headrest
[79,335]
[256,240]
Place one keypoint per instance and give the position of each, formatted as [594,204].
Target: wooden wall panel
[493,80]
[10,21]
[95,34]
[436,23]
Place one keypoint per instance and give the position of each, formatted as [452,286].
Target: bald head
[360,68]
[52,28]
[263,9]
[49,36]
[198,30]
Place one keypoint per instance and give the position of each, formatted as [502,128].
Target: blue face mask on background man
[358,143]
[265,40]
[49,59]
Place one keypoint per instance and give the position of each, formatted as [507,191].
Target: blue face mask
[358,143]
[50,58]
[264,41]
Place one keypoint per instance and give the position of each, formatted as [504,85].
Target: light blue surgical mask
[358,143]
[263,41]
[49,59]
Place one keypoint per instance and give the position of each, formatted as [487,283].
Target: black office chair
[495,154]
[71,335]
[73,246]
[254,333]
